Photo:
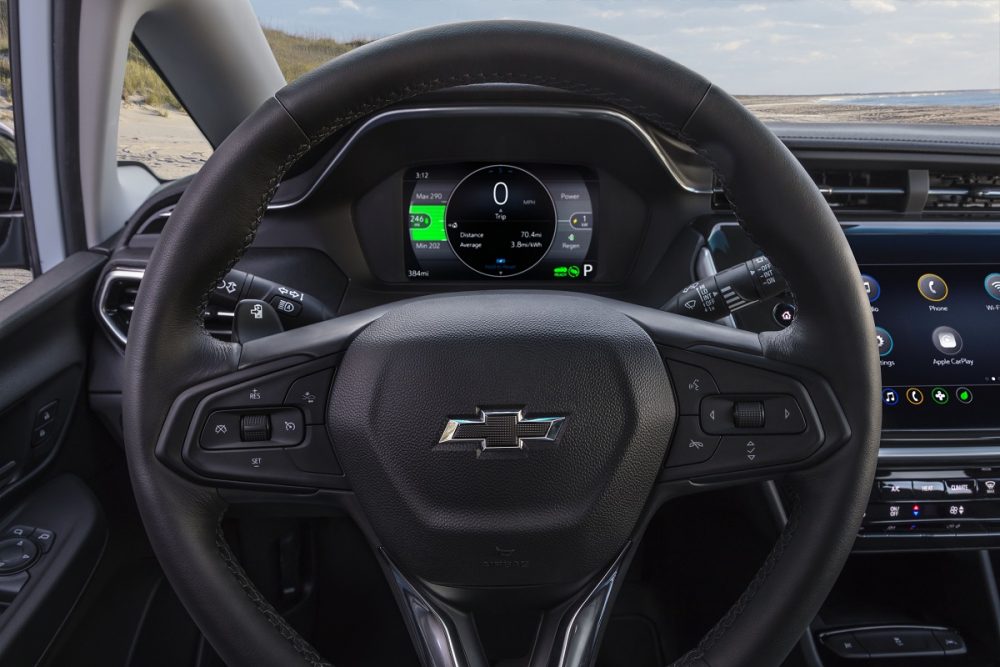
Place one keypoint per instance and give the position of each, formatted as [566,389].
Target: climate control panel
[924,509]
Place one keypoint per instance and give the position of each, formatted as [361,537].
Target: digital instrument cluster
[470,222]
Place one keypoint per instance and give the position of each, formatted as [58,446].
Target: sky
[749,47]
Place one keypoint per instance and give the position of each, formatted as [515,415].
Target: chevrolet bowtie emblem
[500,430]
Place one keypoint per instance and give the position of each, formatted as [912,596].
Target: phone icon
[932,287]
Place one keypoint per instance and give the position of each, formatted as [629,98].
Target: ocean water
[947,98]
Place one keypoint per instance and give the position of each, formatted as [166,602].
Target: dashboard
[506,187]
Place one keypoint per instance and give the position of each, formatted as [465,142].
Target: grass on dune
[296,55]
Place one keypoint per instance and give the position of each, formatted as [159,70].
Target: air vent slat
[964,191]
[116,300]
[896,191]
[852,190]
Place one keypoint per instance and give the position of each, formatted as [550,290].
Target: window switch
[41,435]
[43,538]
[19,531]
[46,415]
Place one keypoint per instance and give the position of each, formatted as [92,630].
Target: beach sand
[811,109]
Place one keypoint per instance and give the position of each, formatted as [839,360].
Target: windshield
[888,61]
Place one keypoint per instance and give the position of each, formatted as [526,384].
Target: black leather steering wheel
[459,526]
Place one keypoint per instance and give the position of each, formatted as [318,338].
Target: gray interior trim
[38,126]
[231,47]
[220,42]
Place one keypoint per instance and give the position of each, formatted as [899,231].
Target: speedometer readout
[500,221]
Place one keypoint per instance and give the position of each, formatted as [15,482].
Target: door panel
[52,528]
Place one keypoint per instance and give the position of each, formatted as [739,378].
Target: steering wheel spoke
[263,426]
[566,634]
[741,415]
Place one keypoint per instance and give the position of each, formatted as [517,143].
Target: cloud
[874,6]
[732,45]
[318,10]
[607,13]
[751,8]
[913,38]
[350,4]
[705,29]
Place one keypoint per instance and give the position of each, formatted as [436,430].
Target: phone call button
[932,287]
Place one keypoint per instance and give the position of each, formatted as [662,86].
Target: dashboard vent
[852,190]
[963,191]
[155,223]
[116,302]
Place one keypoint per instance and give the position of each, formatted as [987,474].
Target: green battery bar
[427,223]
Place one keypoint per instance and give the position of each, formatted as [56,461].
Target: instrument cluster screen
[497,221]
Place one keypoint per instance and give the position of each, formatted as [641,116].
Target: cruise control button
[222,429]
[252,465]
[690,444]
[309,394]
[287,426]
[691,384]
[250,395]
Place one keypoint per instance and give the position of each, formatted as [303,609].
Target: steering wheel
[481,483]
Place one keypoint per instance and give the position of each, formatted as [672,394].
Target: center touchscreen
[938,336]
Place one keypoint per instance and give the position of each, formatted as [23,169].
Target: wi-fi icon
[992,284]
